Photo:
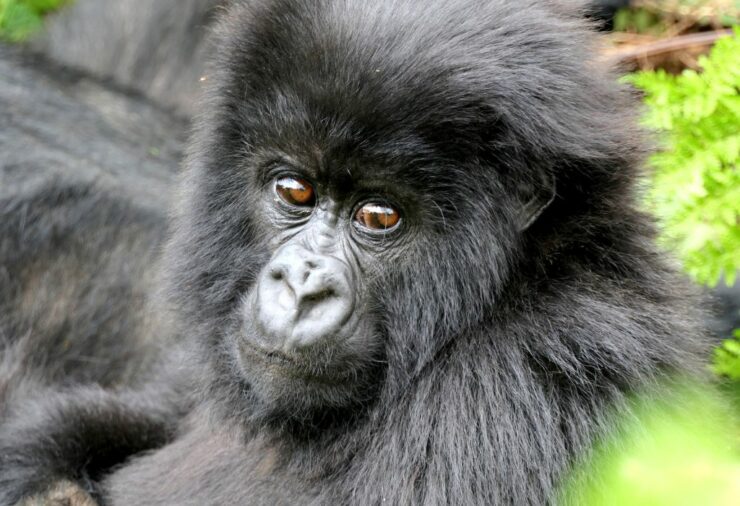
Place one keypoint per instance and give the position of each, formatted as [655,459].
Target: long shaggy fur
[504,351]
[85,179]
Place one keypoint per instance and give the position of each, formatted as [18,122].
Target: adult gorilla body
[466,350]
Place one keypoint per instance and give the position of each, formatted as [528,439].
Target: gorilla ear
[536,197]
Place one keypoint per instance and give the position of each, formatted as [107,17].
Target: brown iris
[377,216]
[295,191]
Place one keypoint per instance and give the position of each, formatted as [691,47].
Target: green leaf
[695,188]
[19,19]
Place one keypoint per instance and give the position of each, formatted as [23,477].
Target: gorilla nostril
[311,264]
[276,274]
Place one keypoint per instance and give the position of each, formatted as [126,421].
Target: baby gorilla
[409,264]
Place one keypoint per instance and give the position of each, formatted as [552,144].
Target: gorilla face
[348,275]
[356,277]
[310,294]
[306,324]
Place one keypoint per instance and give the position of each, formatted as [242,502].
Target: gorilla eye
[295,191]
[377,216]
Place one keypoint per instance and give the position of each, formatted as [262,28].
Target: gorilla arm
[75,436]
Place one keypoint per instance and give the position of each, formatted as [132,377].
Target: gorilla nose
[304,298]
[304,281]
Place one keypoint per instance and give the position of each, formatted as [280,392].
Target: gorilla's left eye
[295,191]
[377,216]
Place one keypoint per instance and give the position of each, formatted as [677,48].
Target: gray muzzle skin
[303,297]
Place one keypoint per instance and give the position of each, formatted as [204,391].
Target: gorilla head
[353,207]
[369,185]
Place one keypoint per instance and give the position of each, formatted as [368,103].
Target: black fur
[157,48]
[85,179]
[503,350]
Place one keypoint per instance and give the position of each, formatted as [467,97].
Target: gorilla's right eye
[295,191]
[377,217]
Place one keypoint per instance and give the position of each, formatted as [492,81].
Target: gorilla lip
[293,366]
[276,357]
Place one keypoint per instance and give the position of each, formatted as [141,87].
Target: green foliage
[21,18]
[727,358]
[638,21]
[696,187]
[656,17]
[676,450]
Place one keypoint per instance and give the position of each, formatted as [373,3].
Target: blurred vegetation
[672,450]
[727,358]
[21,18]
[669,34]
[661,17]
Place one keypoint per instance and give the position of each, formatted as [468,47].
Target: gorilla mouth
[313,369]
[275,357]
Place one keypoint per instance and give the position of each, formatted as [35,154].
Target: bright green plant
[695,192]
[727,358]
[672,451]
[21,18]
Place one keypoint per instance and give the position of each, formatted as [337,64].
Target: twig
[663,46]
